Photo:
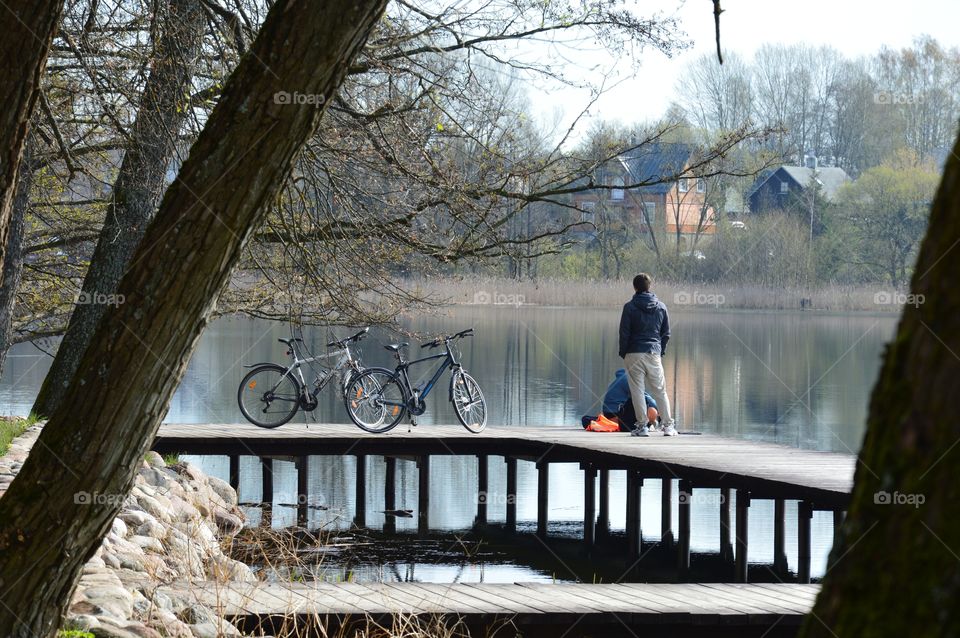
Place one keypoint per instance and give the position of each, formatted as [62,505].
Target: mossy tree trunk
[82,467]
[137,189]
[897,564]
[27,28]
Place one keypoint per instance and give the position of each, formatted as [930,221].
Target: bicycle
[378,398]
[270,394]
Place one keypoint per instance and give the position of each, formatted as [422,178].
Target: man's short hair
[641,283]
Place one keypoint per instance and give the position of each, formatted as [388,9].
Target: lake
[797,379]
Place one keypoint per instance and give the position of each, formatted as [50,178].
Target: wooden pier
[747,469]
[532,608]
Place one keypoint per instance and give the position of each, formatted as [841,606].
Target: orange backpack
[603,424]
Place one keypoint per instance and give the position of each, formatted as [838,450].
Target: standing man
[644,332]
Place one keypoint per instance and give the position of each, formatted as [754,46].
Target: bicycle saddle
[289,341]
[395,347]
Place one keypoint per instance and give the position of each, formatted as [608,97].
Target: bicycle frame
[450,361]
[346,360]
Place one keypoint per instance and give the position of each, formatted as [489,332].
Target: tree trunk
[13,256]
[75,480]
[28,27]
[137,190]
[895,571]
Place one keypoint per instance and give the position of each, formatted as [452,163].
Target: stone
[222,489]
[148,543]
[227,523]
[153,529]
[119,527]
[153,459]
[82,621]
[152,506]
[223,568]
[114,599]
[135,518]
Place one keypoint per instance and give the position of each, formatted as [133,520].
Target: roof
[652,162]
[831,178]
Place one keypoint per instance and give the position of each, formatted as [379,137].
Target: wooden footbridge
[530,609]
[752,470]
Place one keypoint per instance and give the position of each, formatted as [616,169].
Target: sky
[854,27]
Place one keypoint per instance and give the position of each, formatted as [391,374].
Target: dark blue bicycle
[378,398]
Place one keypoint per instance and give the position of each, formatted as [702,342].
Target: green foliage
[11,428]
[74,633]
[171,459]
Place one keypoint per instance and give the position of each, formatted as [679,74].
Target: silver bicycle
[270,394]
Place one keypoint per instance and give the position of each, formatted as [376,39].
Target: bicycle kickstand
[412,424]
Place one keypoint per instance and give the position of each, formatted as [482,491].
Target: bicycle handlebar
[436,342]
[357,337]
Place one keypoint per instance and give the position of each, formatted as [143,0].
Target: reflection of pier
[745,470]
[528,609]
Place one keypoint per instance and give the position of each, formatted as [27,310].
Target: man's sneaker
[670,431]
[640,430]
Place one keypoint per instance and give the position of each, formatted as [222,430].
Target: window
[650,208]
[616,194]
[587,212]
[784,188]
[701,185]
[683,186]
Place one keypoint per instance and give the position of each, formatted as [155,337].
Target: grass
[171,459]
[11,427]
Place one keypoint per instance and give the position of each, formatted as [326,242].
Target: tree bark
[74,481]
[895,566]
[28,27]
[13,256]
[137,189]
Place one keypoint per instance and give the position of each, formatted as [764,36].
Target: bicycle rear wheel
[268,397]
[468,401]
[375,400]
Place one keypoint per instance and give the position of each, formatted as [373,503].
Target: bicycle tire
[250,395]
[466,396]
[365,398]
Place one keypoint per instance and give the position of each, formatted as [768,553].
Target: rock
[131,561]
[211,630]
[169,625]
[148,543]
[82,621]
[153,459]
[135,518]
[152,506]
[153,529]
[224,568]
[114,599]
[227,523]
[111,561]
[119,527]
[112,628]
[222,489]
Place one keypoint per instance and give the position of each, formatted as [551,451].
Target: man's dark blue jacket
[644,325]
[618,393]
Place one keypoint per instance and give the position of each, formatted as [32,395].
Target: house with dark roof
[779,188]
[649,188]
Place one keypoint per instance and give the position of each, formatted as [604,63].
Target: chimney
[810,160]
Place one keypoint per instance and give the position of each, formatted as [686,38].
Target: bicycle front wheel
[375,400]
[268,397]
[468,402]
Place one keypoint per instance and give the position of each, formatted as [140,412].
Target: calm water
[797,379]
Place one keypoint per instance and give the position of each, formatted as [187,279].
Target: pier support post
[266,491]
[423,496]
[743,508]
[303,465]
[838,516]
[483,481]
[603,506]
[390,494]
[511,519]
[589,504]
[726,548]
[804,514]
[360,492]
[779,536]
[683,520]
[543,497]
[235,472]
[633,527]
[666,513]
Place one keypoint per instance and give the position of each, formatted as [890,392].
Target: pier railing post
[543,497]
[483,486]
[423,496]
[726,548]
[303,465]
[603,506]
[666,513]
[633,527]
[511,517]
[390,494]
[804,515]
[683,545]
[266,491]
[743,521]
[360,492]
[589,504]
[779,536]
